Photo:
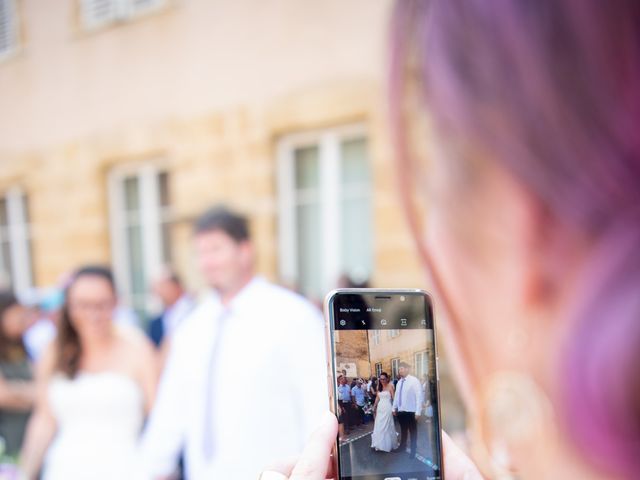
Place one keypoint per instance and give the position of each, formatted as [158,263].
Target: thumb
[457,465]
[314,460]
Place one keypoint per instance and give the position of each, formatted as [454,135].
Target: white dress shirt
[269,386]
[173,316]
[408,397]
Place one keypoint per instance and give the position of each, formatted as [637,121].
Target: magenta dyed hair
[551,91]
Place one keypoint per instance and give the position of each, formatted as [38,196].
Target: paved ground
[358,459]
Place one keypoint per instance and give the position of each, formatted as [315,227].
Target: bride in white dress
[96,382]
[384,437]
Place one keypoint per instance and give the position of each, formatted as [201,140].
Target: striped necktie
[400,394]
[208,435]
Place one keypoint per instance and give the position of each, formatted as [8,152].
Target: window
[395,367]
[99,13]
[325,213]
[376,337]
[378,370]
[140,230]
[421,364]
[15,247]
[8,28]
[393,333]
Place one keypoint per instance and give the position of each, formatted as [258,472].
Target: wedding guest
[344,398]
[95,383]
[373,389]
[17,390]
[359,393]
[341,432]
[47,311]
[428,392]
[177,304]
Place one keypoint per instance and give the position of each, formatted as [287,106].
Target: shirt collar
[244,296]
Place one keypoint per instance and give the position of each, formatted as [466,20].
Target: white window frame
[18,234]
[395,368]
[151,224]
[376,337]
[417,358]
[393,333]
[12,27]
[117,11]
[378,370]
[328,142]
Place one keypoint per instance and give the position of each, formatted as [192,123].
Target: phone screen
[385,386]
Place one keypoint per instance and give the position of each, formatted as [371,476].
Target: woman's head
[531,110]
[87,314]
[14,321]
[384,381]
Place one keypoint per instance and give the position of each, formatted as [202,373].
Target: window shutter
[8,27]
[97,13]
[140,7]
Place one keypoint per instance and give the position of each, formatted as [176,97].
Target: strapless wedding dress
[99,417]
[384,436]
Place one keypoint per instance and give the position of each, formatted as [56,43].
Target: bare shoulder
[47,362]
[136,343]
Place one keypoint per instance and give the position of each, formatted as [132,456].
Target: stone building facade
[118,129]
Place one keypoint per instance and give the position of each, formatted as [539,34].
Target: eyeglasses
[99,307]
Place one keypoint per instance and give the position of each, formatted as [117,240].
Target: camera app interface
[386,387]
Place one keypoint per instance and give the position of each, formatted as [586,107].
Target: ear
[247,252]
[545,251]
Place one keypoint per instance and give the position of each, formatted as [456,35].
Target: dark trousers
[348,414]
[408,425]
[360,414]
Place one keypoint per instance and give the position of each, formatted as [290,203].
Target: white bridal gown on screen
[384,436]
[99,417]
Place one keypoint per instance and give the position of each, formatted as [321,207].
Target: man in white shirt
[407,404]
[247,331]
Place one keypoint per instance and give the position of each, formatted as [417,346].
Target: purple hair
[551,91]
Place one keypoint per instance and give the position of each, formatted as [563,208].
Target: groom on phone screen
[406,406]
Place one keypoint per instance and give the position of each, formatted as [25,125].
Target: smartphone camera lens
[402,298]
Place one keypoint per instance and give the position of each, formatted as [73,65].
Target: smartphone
[383,384]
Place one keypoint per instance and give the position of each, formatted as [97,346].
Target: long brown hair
[68,346]
[10,349]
